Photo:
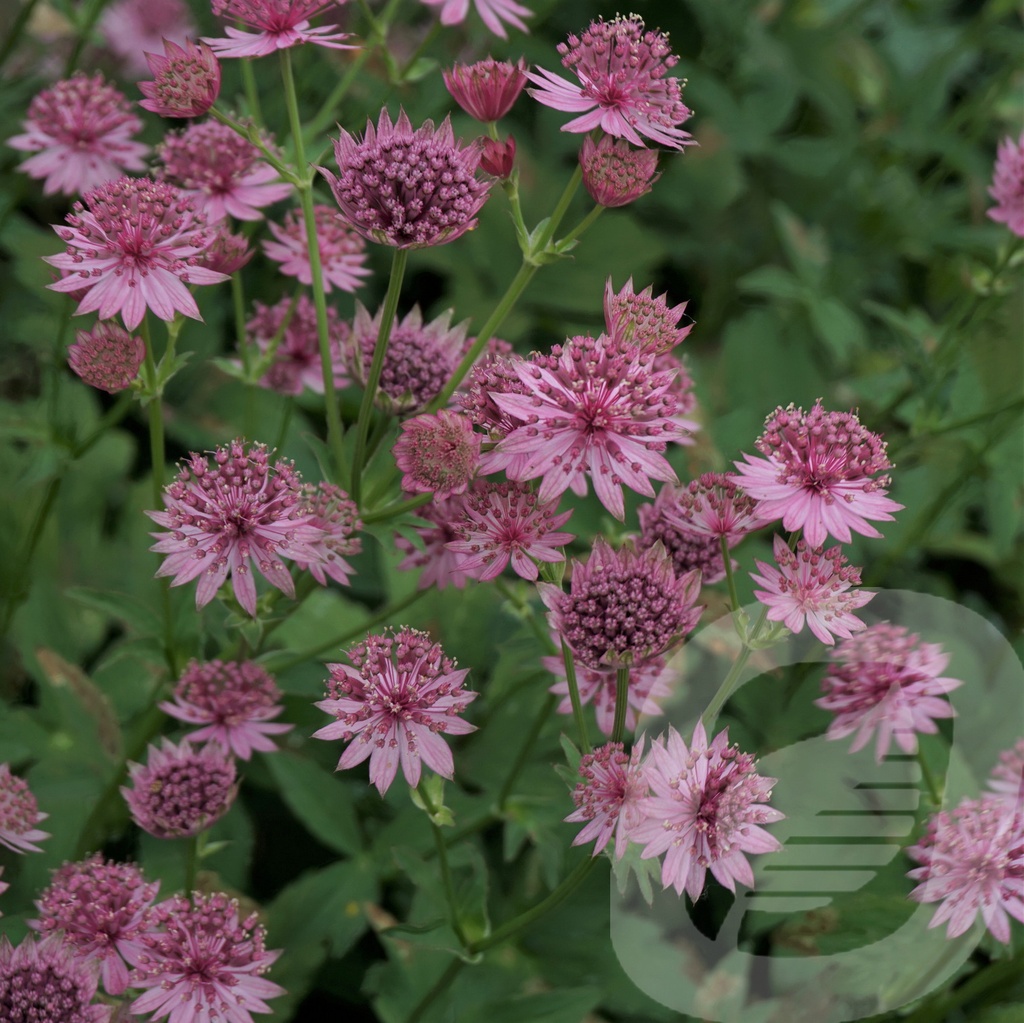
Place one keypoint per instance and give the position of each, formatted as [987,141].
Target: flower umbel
[281,24]
[615,175]
[1007,778]
[342,251]
[107,357]
[714,506]
[1008,185]
[186,80]
[440,565]
[488,89]
[638,318]
[688,550]
[336,514]
[438,452]
[19,814]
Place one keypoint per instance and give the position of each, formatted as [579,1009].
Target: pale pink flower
[81,132]
[407,188]
[203,965]
[133,29]
[492,13]
[1007,778]
[107,357]
[811,585]
[506,522]
[281,24]
[438,452]
[440,565]
[621,88]
[972,862]
[488,89]
[227,253]
[1008,185]
[186,80]
[19,814]
[817,474]
[233,702]
[641,319]
[713,505]
[682,389]
[101,907]
[887,683]
[241,510]
[659,524]
[614,174]
[342,250]
[394,705]
[706,812]
[337,516]
[135,245]
[495,373]
[612,790]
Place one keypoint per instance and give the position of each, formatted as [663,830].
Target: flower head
[393,706]
[680,388]
[440,565]
[1008,186]
[1007,778]
[186,80]
[342,251]
[80,130]
[135,245]
[133,29]
[492,13]
[407,188]
[19,814]
[107,357]
[705,813]
[622,88]
[713,505]
[233,702]
[498,158]
[488,89]
[641,319]
[222,517]
[615,175]
[281,24]
[227,253]
[101,907]
[688,550]
[336,514]
[885,681]
[439,453]
[202,964]
[818,474]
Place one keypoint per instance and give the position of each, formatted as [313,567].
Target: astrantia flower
[439,454]
[1007,778]
[706,812]
[492,375]
[812,585]
[615,175]
[688,550]
[641,319]
[488,89]
[1008,186]
[281,24]
[134,29]
[886,682]
[407,188]
[624,606]
[498,158]
[973,861]
[593,407]
[44,982]
[19,814]
[682,389]
[492,13]
[234,703]
[609,796]
[440,565]
[506,522]
[181,790]
[203,965]
[101,907]
[336,514]
[817,474]
[107,357]
[80,131]
[186,80]
[238,511]
[393,706]
[622,88]
[342,251]
[227,253]
[714,506]
[223,170]
[135,245]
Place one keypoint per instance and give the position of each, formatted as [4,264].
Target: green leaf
[566,1006]
[122,607]
[773,282]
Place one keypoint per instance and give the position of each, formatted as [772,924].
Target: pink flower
[714,506]
[681,388]
[44,982]
[234,702]
[407,188]
[133,29]
[886,682]
[594,406]
[336,514]
[498,158]
[488,89]
[706,812]
[659,524]
[1008,186]
[80,130]
[494,373]
[624,607]
[238,511]
[186,81]
[101,907]
[19,814]
[107,357]
[506,522]
[492,13]
[1007,778]
[440,565]
[202,965]
[393,706]
[610,795]
[817,474]
[227,253]
[342,251]
[135,245]
[615,175]
[281,24]
[811,585]
[438,452]
[622,87]
[972,861]
[640,319]
[3,884]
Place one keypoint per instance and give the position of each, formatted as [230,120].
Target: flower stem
[942,1007]
[930,781]
[191,850]
[453,969]
[560,210]
[730,579]
[621,703]
[725,690]
[398,508]
[574,697]
[250,134]
[539,721]
[446,870]
[252,95]
[581,226]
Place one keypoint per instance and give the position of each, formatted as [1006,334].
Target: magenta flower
[972,861]
[812,585]
[1007,778]
[714,506]
[134,245]
[107,357]
[407,188]
[659,524]
[393,706]
[498,158]
[492,13]
[682,389]
[19,814]
[623,607]
[227,253]
[706,812]
[440,565]
[1008,186]
[234,703]
[506,522]
[886,682]
[488,89]
[495,373]
[615,175]
[817,474]
[281,24]
[640,319]
[202,965]
[342,251]
[186,80]
[81,132]
[222,517]
[594,406]
[101,907]
[439,454]
[134,29]
[622,88]
[44,982]
[613,788]
[336,514]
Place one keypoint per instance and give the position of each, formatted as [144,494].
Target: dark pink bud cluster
[19,814]
[107,357]
[687,549]
[488,89]
[439,453]
[336,515]
[498,158]
[714,506]
[186,80]
[614,174]
[608,796]
[643,320]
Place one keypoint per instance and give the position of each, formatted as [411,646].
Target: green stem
[730,579]
[21,20]
[83,31]
[446,870]
[560,210]
[251,134]
[191,851]
[252,94]
[942,1007]
[621,703]
[452,970]
[929,778]
[581,226]
[725,690]
[398,508]
[539,721]
[286,420]
[574,697]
